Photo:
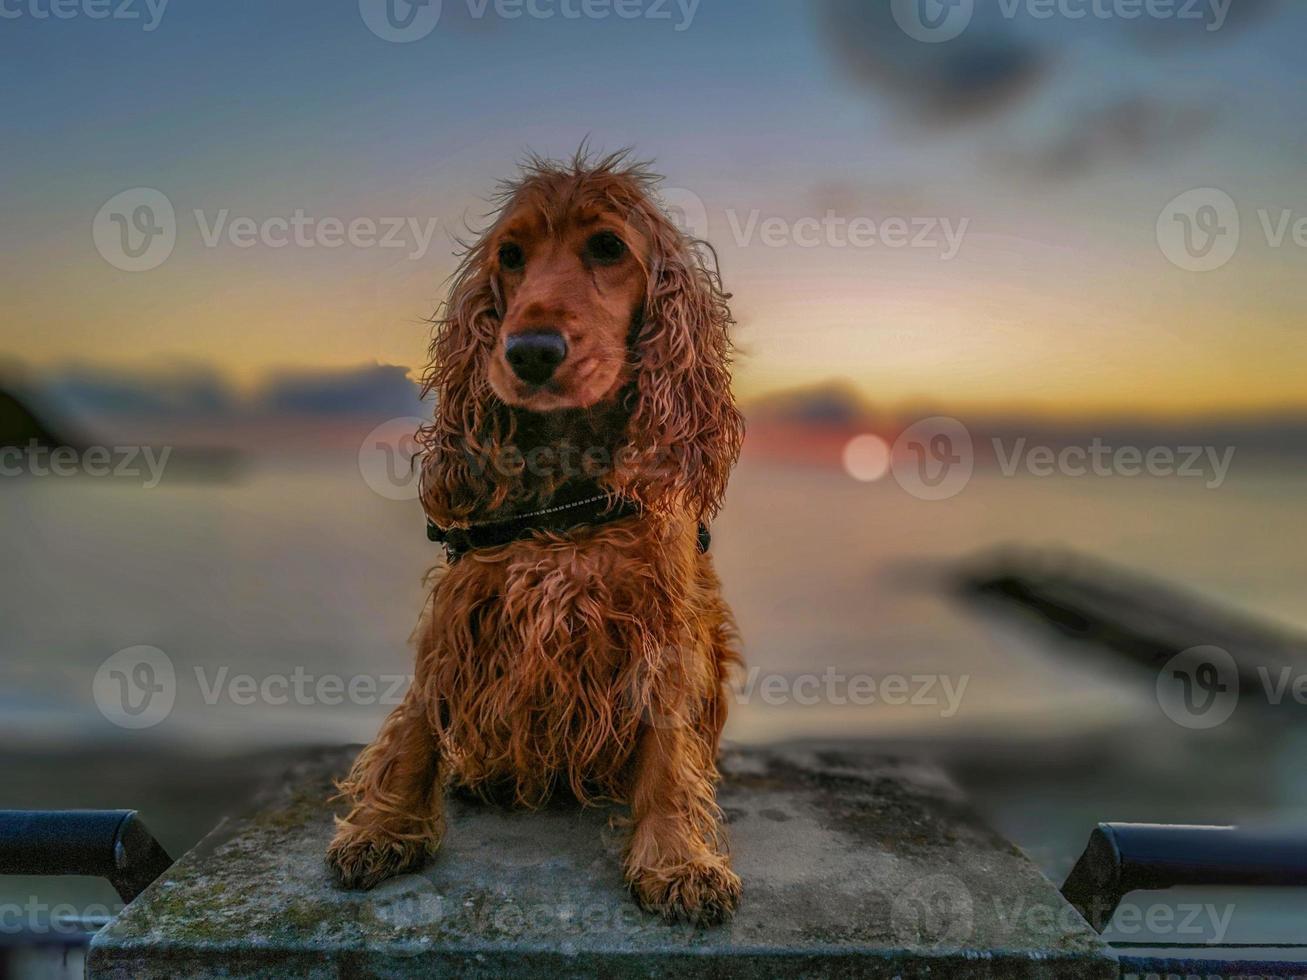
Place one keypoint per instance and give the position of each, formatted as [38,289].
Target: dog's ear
[461,445]
[685,431]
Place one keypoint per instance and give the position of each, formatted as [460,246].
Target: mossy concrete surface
[852,866]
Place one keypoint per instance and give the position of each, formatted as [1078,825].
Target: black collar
[591,510]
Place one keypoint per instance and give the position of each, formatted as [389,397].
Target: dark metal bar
[1125,857]
[112,844]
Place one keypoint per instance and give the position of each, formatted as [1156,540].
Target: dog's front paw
[704,892]
[361,859]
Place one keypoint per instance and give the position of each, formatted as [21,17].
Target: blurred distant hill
[371,391]
[837,409]
[827,414]
[19,425]
[383,390]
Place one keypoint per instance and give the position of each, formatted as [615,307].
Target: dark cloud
[1057,117]
[980,71]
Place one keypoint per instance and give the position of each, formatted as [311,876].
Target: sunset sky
[1050,147]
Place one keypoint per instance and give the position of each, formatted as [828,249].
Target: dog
[577,642]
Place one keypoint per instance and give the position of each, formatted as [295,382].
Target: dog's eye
[511,257]
[605,248]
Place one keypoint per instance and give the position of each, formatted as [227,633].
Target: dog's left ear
[685,432]
[461,446]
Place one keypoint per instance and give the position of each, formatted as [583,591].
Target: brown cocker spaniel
[571,645]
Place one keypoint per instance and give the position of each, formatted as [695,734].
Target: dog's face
[571,290]
[586,309]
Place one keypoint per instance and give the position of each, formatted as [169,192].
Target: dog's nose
[535,355]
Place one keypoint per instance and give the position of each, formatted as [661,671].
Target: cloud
[982,70]
[1064,95]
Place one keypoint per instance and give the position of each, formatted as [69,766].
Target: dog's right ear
[461,445]
[685,431]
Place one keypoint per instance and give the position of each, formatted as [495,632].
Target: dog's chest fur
[547,662]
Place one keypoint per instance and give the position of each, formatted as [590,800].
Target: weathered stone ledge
[852,866]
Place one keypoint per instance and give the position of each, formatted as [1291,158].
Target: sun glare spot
[867,458]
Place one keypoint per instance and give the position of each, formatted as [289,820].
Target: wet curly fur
[593,661]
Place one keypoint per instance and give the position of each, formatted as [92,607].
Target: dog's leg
[675,860]
[397,818]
